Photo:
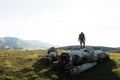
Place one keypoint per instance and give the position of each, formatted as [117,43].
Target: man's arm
[84,37]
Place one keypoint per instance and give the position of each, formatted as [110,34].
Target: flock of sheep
[74,62]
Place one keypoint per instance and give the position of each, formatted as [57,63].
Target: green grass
[30,65]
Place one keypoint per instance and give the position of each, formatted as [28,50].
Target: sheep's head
[64,59]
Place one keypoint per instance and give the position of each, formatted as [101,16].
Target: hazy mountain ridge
[16,43]
[7,43]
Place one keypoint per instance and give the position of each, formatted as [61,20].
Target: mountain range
[13,43]
[19,44]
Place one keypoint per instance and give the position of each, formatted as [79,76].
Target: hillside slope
[77,47]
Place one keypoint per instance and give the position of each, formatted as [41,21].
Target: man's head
[81,32]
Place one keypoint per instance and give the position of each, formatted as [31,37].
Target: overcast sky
[59,22]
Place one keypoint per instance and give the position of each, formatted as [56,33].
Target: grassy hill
[30,65]
[77,47]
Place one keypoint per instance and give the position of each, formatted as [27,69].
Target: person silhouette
[81,39]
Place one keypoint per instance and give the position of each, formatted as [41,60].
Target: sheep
[100,55]
[52,55]
[73,58]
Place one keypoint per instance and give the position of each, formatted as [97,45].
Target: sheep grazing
[74,62]
[52,55]
[100,55]
[97,56]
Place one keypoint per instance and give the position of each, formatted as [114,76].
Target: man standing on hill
[81,39]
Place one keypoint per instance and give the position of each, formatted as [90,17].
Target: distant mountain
[16,43]
[7,43]
[77,47]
